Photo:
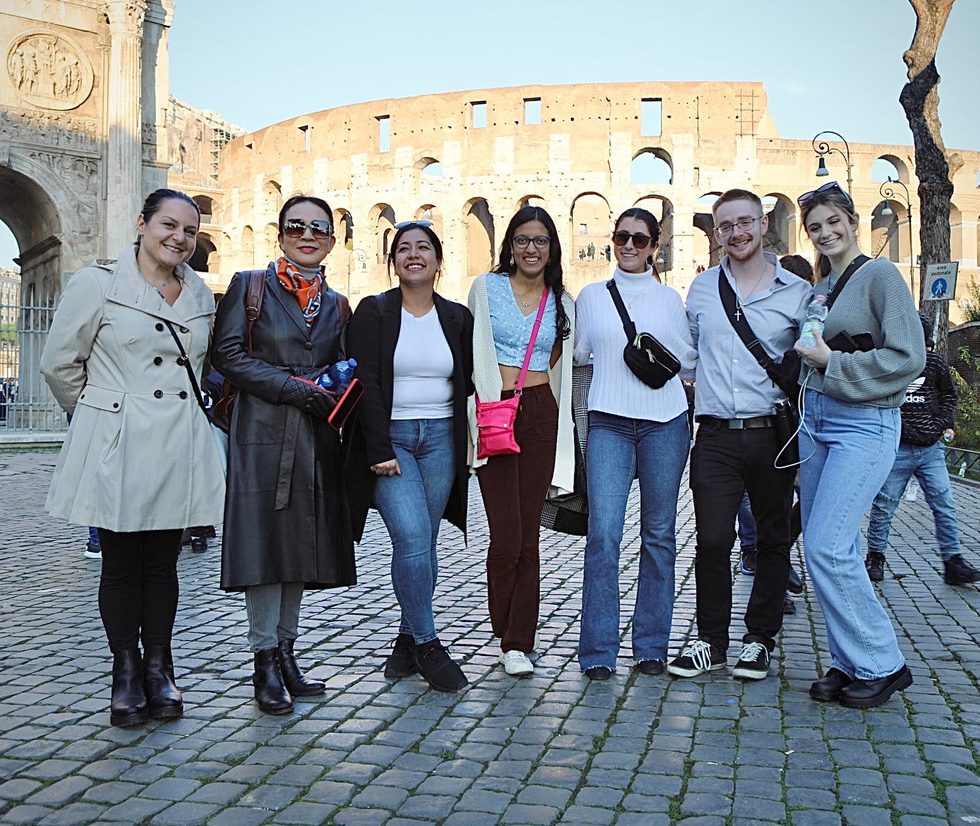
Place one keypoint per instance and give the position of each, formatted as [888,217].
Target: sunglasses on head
[640,240]
[422,222]
[831,186]
[296,228]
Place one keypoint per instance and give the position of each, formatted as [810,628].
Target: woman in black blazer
[408,442]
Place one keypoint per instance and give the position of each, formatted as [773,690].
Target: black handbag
[646,358]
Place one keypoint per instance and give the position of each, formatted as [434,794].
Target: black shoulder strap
[628,326]
[852,268]
[741,324]
[190,370]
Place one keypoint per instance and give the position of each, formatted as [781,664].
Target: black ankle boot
[128,698]
[296,682]
[270,693]
[162,695]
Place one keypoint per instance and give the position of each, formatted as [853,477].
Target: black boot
[128,699]
[162,694]
[270,693]
[297,683]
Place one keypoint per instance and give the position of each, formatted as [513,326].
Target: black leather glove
[307,397]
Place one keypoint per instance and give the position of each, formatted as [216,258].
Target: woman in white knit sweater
[635,431]
[504,304]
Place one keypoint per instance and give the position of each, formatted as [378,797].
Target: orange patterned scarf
[306,291]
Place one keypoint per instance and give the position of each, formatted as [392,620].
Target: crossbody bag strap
[190,370]
[530,345]
[738,320]
[852,268]
[253,301]
[628,326]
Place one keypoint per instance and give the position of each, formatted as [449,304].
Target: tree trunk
[920,100]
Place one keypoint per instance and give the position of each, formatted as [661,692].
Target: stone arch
[889,166]
[343,227]
[204,258]
[780,237]
[247,247]
[652,165]
[383,221]
[886,236]
[272,190]
[707,250]
[430,212]
[663,210]
[430,167]
[591,224]
[480,236]
[530,200]
[955,233]
[270,243]
[206,204]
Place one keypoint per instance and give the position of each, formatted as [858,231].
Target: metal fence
[26,404]
[965,463]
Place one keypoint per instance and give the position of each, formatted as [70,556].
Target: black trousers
[724,463]
[138,590]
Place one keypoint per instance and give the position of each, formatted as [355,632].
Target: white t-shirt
[423,367]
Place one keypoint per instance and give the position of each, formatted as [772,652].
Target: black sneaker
[789,607]
[651,667]
[401,660]
[433,662]
[199,544]
[599,673]
[747,563]
[875,563]
[957,571]
[698,658]
[753,662]
[795,583]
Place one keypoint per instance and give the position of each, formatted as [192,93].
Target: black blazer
[371,338]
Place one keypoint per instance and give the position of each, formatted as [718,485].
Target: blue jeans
[853,447]
[928,464]
[412,506]
[746,525]
[618,447]
[93,539]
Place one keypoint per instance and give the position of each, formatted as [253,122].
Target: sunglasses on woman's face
[296,228]
[640,240]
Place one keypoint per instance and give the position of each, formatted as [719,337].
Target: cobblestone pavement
[550,749]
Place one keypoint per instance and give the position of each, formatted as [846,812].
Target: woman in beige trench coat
[139,462]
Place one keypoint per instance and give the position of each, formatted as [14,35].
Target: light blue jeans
[412,506]
[853,447]
[618,447]
[928,464]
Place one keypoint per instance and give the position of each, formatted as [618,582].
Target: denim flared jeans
[849,450]
[619,450]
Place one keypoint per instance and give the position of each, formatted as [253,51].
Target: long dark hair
[552,270]
[653,227]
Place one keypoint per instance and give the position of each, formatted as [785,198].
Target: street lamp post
[888,193]
[357,256]
[822,148]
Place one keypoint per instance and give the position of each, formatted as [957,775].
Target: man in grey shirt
[736,447]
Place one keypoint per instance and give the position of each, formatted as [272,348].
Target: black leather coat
[372,336]
[286,512]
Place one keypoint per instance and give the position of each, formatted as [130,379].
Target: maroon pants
[514,488]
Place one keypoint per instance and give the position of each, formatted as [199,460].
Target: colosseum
[467,160]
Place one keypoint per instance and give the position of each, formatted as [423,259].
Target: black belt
[753,423]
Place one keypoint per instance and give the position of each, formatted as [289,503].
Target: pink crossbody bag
[495,420]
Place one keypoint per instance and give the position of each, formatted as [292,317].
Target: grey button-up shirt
[730,382]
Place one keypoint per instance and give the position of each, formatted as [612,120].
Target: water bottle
[912,491]
[815,314]
[336,377]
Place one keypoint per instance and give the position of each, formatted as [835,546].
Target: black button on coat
[286,512]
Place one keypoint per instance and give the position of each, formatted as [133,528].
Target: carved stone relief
[49,70]
[49,129]
[81,179]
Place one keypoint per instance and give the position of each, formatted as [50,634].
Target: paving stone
[185,813]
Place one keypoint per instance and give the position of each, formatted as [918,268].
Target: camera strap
[738,320]
[852,268]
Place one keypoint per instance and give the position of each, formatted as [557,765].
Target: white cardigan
[486,377]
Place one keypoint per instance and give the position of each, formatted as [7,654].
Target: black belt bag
[646,358]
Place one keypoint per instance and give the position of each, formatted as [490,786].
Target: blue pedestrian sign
[941,281]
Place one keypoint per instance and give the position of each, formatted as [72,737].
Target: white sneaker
[516,663]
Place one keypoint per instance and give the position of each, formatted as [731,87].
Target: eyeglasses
[830,186]
[420,223]
[744,224]
[640,240]
[296,228]
[540,241]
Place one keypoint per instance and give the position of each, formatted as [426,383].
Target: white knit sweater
[486,377]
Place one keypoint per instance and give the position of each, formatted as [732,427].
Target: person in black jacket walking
[927,416]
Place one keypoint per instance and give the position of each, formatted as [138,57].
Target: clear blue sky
[833,64]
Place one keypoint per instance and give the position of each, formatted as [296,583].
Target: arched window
[652,166]
[480,236]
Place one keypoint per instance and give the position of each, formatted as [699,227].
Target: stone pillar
[124,158]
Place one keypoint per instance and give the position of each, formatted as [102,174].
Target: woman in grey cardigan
[854,381]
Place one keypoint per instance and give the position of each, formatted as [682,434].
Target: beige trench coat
[139,454]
